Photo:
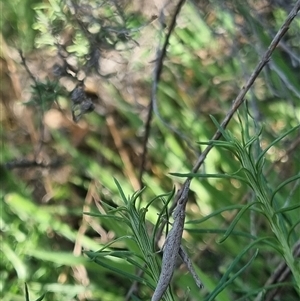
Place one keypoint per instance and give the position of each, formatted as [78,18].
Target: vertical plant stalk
[254,174]
[262,196]
[38,147]
[160,55]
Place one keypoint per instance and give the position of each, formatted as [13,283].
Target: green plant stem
[261,191]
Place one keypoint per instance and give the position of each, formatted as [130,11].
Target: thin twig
[157,73]
[280,275]
[240,98]
[124,155]
[160,55]
[145,142]
[28,70]
[36,86]
[24,163]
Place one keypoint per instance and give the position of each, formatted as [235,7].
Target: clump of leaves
[44,94]
[141,254]
[267,202]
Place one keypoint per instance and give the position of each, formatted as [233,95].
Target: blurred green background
[53,169]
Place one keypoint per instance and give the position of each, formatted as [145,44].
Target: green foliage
[69,230]
[141,254]
[281,222]
[44,94]
[16,21]
[27,295]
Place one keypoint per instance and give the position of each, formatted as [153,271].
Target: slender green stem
[258,184]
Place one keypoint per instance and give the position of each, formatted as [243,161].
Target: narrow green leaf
[41,298]
[235,221]
[114,241]
[222,131]
[265,288]
[261,156]
[123,273]
[285,209]
[292,229]
[163,212]
[26,292]
[115,217]
[121,191]
[255,138]
[217,212]
[289,180]
[199,175]
[219,231]
[137,194]
[223,285]
[14,258]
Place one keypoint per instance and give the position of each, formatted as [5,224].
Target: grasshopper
[173,248]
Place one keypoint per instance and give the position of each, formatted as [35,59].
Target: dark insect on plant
[81,104]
